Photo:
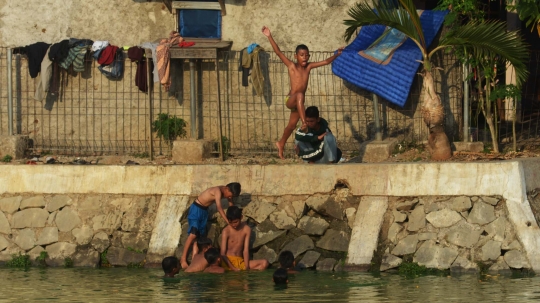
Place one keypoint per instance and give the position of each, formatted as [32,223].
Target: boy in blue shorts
[198,213]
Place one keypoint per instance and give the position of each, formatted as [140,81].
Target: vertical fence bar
[378,133]
[193,98]
[465,103]
[150,85]
[220,129]
[10,93]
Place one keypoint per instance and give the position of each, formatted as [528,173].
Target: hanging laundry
[59,51]
[251,47]
[186,44]
[136,54]
[42,86]
[252,62]
[107,55]
[164,57]
[75,57]
[152,46]
[80,42]
[35,53]
[115,70]
[99,45]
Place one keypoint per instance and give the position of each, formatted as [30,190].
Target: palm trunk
[433,114]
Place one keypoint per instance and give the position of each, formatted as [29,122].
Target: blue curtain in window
[199,23]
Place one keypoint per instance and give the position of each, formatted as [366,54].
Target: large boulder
[313,226]
[393,231]
[86,257]
[316,202]
[33,202]
[25,239]
[10,205]
[496,229]
[335,240]
[47,236]
[59,252]
[262,238]
[299,245]
[326,264]
[58,202]
[399,217]
[407,205]
[294,209]
[140,217]
[462,264]
[463,234]
[258,210]
[67,219]
[481,213]
[265,253]
[108,222]
[309,260]
[443,218]
[500,267]
[123,257]
[100,242]
[83,235]
[516,259]
[459,204]
[31,217]
[432,255]
[390,261]
[490,200]
[417,219]
[333,209]
[137,241]
[4,243]
[5,228]
[281,220]
[406,246]
[491,250]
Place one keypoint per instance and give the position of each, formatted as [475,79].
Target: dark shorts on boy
[197,218]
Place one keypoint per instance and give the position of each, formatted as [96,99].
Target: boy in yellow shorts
[235,244]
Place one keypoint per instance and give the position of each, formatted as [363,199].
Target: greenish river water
[145,285]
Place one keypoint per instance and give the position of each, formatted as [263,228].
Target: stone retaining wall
[456,233]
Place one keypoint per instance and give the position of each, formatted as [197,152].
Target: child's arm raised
[266,32]
[326,61]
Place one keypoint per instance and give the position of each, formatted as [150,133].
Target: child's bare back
[198,263]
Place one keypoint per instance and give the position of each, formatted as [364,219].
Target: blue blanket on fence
[387,68]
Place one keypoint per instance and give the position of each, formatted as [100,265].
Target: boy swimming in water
[299,77]
[198,261]
[198,213]
[171,266]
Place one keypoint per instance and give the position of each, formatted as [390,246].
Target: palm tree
[481,40]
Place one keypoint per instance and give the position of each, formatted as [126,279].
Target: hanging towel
[153,46]
[164,56]
[251,47]
[107,55]
[99,45]
[253,62]
[75,57]
[35,53]
[136,54]
[59,51]
[42,85]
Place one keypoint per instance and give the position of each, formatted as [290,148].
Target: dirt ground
[401,154]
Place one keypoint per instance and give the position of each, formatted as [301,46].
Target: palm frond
[402,17]
[491,40]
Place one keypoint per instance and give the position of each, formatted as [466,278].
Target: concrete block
[14,146]
[377,151]
[476,147]
[191,151]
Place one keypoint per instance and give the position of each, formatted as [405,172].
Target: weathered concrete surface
[377,151]
[167,229]
[191,151]
[476,147]
[15,146]
[365,234]
[508,179]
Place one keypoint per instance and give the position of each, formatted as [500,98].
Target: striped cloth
[76,57]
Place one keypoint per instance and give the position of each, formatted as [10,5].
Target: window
[199,19]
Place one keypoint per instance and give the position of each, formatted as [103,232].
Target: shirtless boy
[299,78]
[198,261]
[213,258]
[235,244]
[198,213]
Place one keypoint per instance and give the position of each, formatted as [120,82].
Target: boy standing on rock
[198,213]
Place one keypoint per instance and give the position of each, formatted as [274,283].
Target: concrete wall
[375,183]
[317,23]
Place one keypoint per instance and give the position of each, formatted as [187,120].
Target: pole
[378,133]
[149,83]
[10,93]
[465,103]
[219,114]
[193,99]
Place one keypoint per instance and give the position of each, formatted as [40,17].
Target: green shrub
[68,262]
[20,261]
[7,158]
[413,269]
[40,260]
[103,259]
[169,127]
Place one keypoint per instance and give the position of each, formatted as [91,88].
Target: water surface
[146,285]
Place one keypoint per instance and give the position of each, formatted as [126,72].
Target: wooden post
[150,84]
[219,114]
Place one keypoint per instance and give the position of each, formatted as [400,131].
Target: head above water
[170,265]
[286,259]
[212,255]
[235,188]
[203,243]
[302,55]
[280,276]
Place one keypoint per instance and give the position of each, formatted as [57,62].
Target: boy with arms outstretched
[299,77]
[198,213]
[235,244]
